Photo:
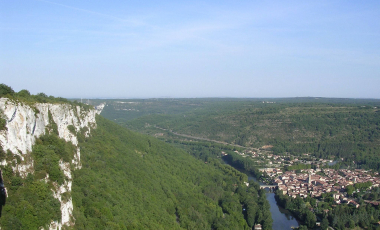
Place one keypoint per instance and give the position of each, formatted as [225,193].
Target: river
[282,218]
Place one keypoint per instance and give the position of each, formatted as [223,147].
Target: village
[313,182]
[310,183]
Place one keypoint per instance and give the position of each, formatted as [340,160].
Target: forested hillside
[124,180]
[338,128]
[137,182]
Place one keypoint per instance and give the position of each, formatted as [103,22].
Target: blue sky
[143,49]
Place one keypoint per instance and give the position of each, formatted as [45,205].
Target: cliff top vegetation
[28,98]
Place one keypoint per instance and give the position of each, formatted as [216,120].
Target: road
[204,139]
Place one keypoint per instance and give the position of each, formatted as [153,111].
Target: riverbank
[282,218]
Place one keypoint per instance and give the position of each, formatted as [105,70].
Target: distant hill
[325,127]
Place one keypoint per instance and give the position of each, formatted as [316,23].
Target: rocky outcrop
[26,122]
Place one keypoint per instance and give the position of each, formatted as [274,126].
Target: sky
[186,49]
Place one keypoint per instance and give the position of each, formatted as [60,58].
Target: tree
[313,202]
[351,223]
[23,93]
[350,189]
[42,95]
[310,219]
[324,224]
[5,90]
[298,202]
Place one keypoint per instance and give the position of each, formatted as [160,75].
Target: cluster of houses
[272,172]
[264,157]
[309,183]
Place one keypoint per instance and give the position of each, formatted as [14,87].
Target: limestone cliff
[25,123]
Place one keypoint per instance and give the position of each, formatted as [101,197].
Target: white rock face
[26,123]
[66,205]
[100,108]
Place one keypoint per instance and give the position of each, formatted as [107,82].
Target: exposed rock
[99,108]
[25,123]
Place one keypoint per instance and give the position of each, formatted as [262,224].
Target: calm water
[282,218]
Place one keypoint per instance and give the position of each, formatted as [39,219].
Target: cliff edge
[27,122]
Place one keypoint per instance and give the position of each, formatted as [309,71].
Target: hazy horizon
[191,49]
[261,98]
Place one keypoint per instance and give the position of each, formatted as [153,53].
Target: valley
[189,163]
[278,141]
[66,167]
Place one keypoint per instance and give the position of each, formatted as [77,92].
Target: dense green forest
[337,128]
[139,182]
[346,130]
[208,151]
[129,181]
